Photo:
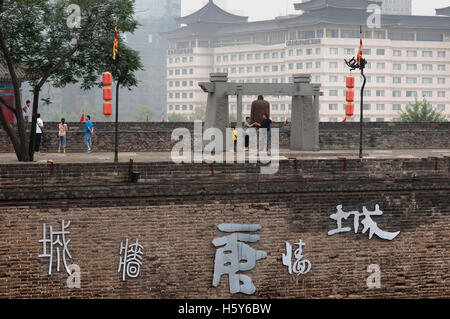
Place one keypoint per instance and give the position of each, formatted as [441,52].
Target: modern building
[443,11]
[400,7]
[408,57]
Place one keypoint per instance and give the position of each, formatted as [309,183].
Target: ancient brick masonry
[174,211]
[156,137]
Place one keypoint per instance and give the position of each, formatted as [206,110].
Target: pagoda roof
[6,77]
[344,4]
[443,11]
[211,13]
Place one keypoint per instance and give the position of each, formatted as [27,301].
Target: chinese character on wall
[301,266]
[234,255]
[56,243]
[368,223]
[131,260]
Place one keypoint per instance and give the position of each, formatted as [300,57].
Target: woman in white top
[62,135]
[39,127]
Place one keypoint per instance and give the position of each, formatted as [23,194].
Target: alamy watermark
[374,280]
[209,147]
[374,20]
[74,18]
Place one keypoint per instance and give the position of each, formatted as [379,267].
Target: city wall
[174,211]
[156,137]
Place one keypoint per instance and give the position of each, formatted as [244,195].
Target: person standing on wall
[26,112]
[264,135]
[62,135]
[39,127]
[88,132]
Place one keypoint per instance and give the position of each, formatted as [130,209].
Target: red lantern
[107,109]
[107,94]
[107,79]
[350,82]
[349,109]
[350,95]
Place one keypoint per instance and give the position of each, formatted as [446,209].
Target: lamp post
[353,64]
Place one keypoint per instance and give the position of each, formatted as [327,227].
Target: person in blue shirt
[88,132]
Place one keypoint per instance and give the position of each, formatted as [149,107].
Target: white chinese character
[368,223]
[234,256]
[300,267]
[54,240]
[131,262]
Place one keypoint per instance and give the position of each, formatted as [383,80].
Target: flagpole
[116,137]
[361,63]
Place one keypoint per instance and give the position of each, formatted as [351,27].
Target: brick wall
[156,137]
[174,211]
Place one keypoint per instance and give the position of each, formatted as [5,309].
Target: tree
[46,41]
[175,117]
[140,114]
[199,113]
[421,112]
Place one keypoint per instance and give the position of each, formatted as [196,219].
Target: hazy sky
[268,9]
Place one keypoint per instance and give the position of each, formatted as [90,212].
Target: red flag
[116,44]
[82,118]
[147,117]
[345,120]
[360,49]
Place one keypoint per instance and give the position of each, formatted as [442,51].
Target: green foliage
[140,114]
[38,36]
[200,113]
[421,112]
[175,117]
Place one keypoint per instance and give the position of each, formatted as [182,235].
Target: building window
[396,93]
[411,80]
[333,65]
[427,67]
[441,54]
[291,66]
[380,51]
[366,51]
[396,80]
[275,55]
[381,66]
[317,51]
[249,56]
[274,68]
[333,78]
[249,69]
[350,34]
[170,107]
[266,55]
[241,69]
[396,107]
[427,54]
[397,66]
[380,107]
[366,107]
[333,93]
[308,51]
[332,107]
[427,93]
[397,53]
[427,80]
[411,67]
[411,53]
[441,107]
[441,67]
[380,93]
[332,33]
[233,58]
[349,51]
[411,93]
[299,66]
[380,79]
[317,65]
[380,119]
[441,94]
[334,51]
[266,68]
[299,52]
[441,80]
[257,69]
[257,56]
[309,65]
[241,57]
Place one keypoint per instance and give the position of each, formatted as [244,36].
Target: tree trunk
[36,92]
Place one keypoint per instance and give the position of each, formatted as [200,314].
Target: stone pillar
[217,114]
[239,106]
[305,116]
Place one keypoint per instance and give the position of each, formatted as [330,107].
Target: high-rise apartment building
[408,57]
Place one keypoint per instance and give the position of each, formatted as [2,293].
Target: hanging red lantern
[107,79]
[350,96]
[107,94]
[349,109]
[107,109]
[350,82]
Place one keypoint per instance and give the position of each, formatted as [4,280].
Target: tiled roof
[5,76]
[348,4]
[211,13]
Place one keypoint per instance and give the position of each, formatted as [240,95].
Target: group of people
[260,112]
[62,131]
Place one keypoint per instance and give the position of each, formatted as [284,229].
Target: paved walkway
[10,158]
